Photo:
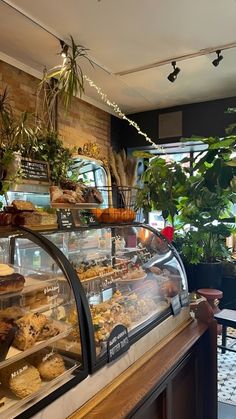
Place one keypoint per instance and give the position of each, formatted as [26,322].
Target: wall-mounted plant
[68,76]
[51,149]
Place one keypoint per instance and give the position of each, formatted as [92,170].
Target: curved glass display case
[129,275]
[42,342]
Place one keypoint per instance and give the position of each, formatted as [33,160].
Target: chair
[226,318]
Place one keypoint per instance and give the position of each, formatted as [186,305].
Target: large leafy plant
[210,201]
[165,185]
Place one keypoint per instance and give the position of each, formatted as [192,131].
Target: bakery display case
[42,341]
[130,275]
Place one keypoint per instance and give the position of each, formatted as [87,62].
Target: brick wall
[83,122]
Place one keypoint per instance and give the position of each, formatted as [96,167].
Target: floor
[227,372]
[227,380]
[226,411]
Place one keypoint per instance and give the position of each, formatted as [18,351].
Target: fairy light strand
[117,110]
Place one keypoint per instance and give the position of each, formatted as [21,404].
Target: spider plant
[68,76]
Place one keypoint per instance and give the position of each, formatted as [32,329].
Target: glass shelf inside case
[129,274]
[40,340]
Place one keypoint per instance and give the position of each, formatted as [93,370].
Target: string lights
[117,110]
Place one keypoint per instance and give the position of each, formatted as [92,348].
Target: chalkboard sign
[35,170]
[65,219]
[184,298]
[175,304]
[118,342]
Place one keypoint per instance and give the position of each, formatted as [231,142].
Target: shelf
[16,354]
[13,404]
[82,206]
[30,285]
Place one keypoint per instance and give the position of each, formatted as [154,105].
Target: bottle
[37,260]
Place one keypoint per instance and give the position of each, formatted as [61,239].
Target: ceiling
[124,34]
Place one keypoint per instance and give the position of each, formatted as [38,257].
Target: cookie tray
[15,354]
[14,406]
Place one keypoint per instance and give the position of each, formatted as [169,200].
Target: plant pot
[204,275]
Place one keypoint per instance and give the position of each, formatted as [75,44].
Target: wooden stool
[226,318]
[212,296]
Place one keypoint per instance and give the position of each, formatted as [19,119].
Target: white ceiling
[124,34]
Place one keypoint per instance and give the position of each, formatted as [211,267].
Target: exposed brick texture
[83,122]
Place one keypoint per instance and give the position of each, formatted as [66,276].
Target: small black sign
[35,170]
[175,304]
[118,342]
[65,219]
[184,298]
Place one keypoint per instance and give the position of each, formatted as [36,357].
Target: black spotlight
[64,49]
[173,76]
[219,58]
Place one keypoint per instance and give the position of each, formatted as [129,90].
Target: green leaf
[224,143]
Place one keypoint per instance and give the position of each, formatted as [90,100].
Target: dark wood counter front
[175,380]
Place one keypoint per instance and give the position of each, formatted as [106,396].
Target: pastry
[11,314]
[10,281]
[22,378]
[20,205]
[29,299]
[49,364]
[2,398]
[34,218]
[48,330]
[5,218]
[7,333]
[29,328]
[93,195]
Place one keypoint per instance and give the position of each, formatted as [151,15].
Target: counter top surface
[129,390]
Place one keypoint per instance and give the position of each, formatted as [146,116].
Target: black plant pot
[204,275]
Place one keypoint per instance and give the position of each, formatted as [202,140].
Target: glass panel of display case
[129,275]
[40,344]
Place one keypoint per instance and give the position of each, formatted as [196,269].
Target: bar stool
[212,296]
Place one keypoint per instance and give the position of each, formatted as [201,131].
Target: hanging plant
[69,77]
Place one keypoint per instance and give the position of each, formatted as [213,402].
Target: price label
[118,342]
[65,219]
[175,304]
[184,299]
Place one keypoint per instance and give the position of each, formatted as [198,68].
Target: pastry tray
[14,406]
[15,354]
[102,276]
[130,280]
[139,324]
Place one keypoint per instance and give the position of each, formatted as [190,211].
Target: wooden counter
[175,380]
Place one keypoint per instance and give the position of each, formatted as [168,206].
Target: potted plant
[207,212]
[165,185]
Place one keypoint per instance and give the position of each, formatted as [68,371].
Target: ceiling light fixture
[219,58]
[173,76]
[64,49]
